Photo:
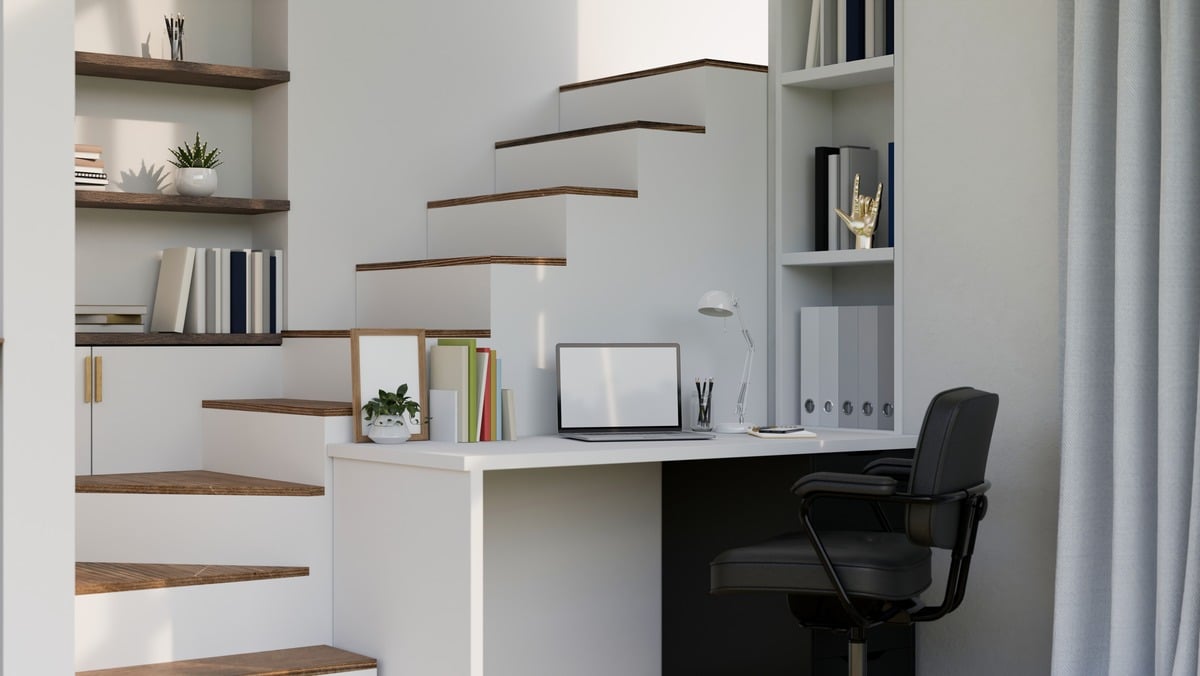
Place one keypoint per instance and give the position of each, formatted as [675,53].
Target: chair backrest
[951,455]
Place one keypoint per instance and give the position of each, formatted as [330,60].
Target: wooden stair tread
[533,194]
[316,659]
[698,63]
[192,482]
[309,407]
[105,577]
[429,333]
[602,129]
[175,339]
[459,261]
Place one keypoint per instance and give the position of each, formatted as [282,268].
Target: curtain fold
[1127,591]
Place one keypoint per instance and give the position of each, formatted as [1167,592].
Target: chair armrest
[897,468]
[844,485]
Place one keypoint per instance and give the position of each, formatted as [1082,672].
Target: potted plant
[388,415]
[197,168]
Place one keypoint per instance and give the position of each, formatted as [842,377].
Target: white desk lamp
[724,304]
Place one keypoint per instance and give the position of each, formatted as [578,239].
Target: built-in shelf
[177,72]
[847,75]
[167,339]
[880,256]
[138,201]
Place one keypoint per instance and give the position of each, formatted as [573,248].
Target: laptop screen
[618,387]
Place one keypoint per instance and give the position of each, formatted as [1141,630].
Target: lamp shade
[717,304]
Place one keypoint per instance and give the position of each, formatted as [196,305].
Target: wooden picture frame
[384,359]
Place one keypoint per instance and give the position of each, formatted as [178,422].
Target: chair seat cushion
[871,565]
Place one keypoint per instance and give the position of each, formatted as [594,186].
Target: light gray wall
[980,282]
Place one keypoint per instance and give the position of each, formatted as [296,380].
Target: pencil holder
[700,413]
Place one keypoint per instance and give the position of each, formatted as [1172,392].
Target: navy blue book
[237,291]
[821,197]
[856,30]
[274,296]
[891,224]
[889,41]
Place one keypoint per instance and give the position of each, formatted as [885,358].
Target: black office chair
[853,580]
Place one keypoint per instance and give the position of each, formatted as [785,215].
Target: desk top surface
[552,451]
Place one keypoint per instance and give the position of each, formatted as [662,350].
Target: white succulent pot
[388,429]
[195,181]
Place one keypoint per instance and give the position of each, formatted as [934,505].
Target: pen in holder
[175,35]
[703,405]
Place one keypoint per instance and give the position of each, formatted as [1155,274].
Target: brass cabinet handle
[98,393]
[87,380]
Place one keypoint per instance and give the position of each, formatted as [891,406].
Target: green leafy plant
[391,404]
[196,155]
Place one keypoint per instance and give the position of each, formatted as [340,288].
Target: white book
[848,402]
[110,309]
[257,278]
[814,36]
[868,367]
[195,322]
[443,416]
[829,34]
[829,402]
[247,292]
[225,288]
[841,31]
[171,295]
[834,223]
[110,328]
[212,290]
[508,401]
[810,366]
[869,47]
[448,370]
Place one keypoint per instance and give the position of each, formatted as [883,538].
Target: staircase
[640,189]
[220,570]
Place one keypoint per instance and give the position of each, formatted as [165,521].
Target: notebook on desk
[620,392]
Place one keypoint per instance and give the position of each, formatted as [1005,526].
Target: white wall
[980,281]
[619,36]
[36,217]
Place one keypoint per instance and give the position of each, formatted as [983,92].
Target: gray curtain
[1127,583]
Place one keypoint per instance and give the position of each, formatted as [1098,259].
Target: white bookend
[848,366]
[256,292]
[171,295]
[810,367]
[195,322]
[852,161]
[443,416]
[887,366]
[814,36]
[448,370]
[868,367]
[829,401]
[509,405]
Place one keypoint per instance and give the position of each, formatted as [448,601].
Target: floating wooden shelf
[309,407]
[176,339]
[103,578]
[316,659]
[193,482]
[177,72]
[139,201]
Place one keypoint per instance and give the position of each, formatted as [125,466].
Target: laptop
[620,392]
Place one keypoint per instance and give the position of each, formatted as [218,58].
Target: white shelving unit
[853,103]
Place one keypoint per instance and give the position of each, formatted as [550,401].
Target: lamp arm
[741,401]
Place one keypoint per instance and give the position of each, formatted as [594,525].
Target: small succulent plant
[196,155]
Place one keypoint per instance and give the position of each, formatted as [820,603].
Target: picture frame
[384,359]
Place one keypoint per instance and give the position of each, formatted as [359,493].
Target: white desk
[558,571]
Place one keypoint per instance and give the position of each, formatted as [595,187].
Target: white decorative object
[388,430]
[196,181]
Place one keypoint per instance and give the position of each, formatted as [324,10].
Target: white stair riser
[272,445]
[599,160]
[317,368]
[208,529]
[524,227]
[678,96]
[163,625]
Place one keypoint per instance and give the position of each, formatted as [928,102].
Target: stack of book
[89,168]
[219,291]
[483,411]
[110,318]
[849,30]
[834,169]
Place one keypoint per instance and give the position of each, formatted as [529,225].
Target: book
[472,384]
[110,309]
[90,181]
[812,55]
[841,31]
[891,190]
[448,371]
[84,163]
[238,273]
[889,21]
[110,328]
[85,151]
[277,291]
[781,432]
[225,291]
[108,319]
[171,294]
[443,416]
[509,411]
[257,278]
[856,33]
[833,225]
[195,322]
[829,32]
[90,173]
[212,291]
[494,395]
[821,205]
[483,427]
[94,188]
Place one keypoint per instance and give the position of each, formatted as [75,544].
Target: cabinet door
[149,419]
[83,410]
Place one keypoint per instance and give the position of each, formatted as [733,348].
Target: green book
[473,392]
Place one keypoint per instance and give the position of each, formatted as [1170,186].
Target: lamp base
[731,428]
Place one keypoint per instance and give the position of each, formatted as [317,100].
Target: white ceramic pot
[195,181]
[388,430]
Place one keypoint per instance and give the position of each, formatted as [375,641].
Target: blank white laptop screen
[618,387]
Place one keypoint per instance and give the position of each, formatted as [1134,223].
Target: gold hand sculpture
[863,212]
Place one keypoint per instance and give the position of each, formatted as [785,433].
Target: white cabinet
[144,410]
[843,104]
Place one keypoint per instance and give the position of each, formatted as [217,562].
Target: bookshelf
[848,103]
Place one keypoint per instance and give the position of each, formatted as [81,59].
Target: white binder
[828,377]
[810,366]
[868,367]
[847,361]
[887,368]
